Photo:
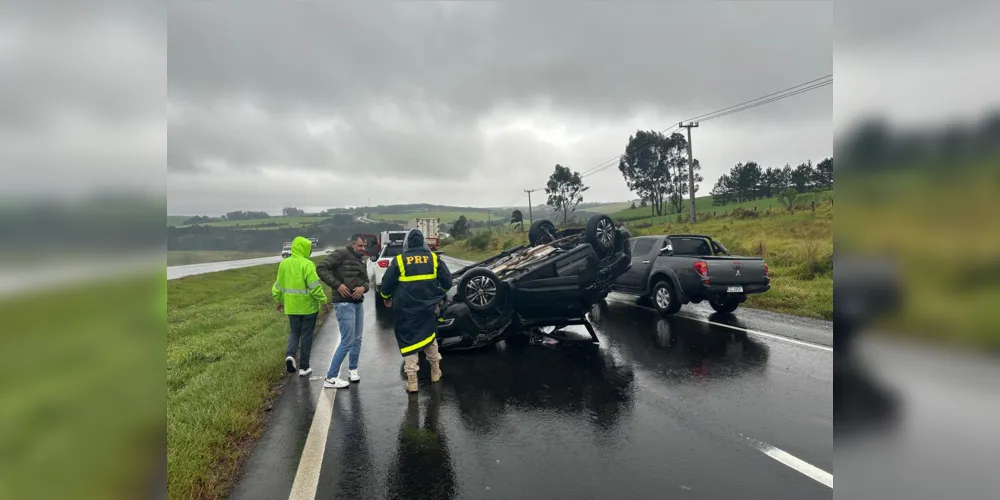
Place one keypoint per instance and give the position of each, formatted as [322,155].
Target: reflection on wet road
[663,407]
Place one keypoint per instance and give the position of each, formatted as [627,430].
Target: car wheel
[727,306]
[601,234]
[664,299]
[480,289]
[541,231]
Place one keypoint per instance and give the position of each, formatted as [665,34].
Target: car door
[643,255]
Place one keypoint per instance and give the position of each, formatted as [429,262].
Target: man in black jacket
[346,271]
[413,287]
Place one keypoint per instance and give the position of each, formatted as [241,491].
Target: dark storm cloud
[413,89]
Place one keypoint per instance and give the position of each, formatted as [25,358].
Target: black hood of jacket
[415,240]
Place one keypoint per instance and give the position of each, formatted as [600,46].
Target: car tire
[725,307]
[664,299]
[601,234]
[541,231]
[481,289]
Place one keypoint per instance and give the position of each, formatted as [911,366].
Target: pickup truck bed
[673,270]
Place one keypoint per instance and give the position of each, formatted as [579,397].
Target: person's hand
[358,292]
[281,307]
[388,302]
[344,291]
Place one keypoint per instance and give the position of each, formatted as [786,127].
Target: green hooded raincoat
[298,286]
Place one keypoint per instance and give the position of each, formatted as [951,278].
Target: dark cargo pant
[301,328]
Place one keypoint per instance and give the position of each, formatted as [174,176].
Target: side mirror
[667,250]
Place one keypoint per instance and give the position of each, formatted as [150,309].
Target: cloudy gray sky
[319,106]
[471,103]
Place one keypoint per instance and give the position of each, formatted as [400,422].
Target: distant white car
[286,250]
[377,267]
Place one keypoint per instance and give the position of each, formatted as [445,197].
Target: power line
[701,117]
[761,103]
[736,108]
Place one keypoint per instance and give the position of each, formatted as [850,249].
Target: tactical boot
[411,382]
[435,371]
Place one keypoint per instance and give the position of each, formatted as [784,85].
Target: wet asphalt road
[675,407]
[174,272]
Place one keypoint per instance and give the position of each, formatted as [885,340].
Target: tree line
[749,181]
[655,167]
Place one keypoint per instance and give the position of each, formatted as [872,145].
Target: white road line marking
[805,468]
[307,476]
[772,336]
[311,463]
[762,334]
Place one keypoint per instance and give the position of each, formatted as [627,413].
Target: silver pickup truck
[677,269]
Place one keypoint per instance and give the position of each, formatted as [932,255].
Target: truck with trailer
[430,226]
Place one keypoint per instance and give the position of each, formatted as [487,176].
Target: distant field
[184,257]
[446,217]
[703,205]
[264,224]
[177,220]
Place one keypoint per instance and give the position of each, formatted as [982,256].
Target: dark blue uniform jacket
[416,281]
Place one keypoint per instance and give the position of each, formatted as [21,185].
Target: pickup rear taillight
[765,270]
[383,263]
[701,267]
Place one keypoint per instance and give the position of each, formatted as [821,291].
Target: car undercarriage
[548,284]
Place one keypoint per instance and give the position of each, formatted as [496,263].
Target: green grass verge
[225,360]
[798,248]
[185,257]
[82,410]
[939,227]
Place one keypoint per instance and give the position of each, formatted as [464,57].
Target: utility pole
[690,167]
[529,191]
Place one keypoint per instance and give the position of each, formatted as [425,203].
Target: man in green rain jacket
[299,294]
[414,286]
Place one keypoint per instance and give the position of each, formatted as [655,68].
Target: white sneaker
[335,383]
[290,364]
[354,377]
[307,371]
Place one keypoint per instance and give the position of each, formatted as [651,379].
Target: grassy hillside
[798,248]
[270,223]
[703,205]
[177,220]
[225,359]
[446,217]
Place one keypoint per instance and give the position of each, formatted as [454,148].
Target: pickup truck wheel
[727,306]
[664,299]
[480,289]
[541,231]
[601,234]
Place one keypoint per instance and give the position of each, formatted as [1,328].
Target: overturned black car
[550,283]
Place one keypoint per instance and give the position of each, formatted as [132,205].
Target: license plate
[734,289]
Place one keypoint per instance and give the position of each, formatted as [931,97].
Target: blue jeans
[350,318]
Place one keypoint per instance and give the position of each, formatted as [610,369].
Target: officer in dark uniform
[414,286]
